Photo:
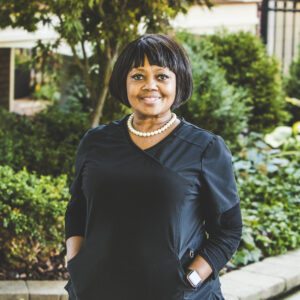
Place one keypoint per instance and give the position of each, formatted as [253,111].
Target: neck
[150,123]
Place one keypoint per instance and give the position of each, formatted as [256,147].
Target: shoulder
[204,139]
[98,134]
[196,135]
[102,130]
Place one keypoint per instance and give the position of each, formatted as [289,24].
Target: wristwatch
[194,278]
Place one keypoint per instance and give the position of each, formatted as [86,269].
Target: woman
[154,212]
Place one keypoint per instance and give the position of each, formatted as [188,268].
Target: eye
[163,77]
[137,76]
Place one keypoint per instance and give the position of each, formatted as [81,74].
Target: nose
[150,84]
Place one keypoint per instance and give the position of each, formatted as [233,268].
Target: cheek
[171,89]
[129,89]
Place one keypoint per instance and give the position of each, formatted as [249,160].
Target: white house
[232,15]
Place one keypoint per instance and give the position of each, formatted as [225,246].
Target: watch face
[194,278]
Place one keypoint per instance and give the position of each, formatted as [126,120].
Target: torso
[150,205]
[147,142]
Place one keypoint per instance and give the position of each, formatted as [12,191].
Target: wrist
[201,266]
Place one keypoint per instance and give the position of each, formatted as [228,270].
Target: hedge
[32,215]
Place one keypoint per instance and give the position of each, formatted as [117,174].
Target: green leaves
[32,208]
[269,192]
[245,256]
[292,88]
[215,104]
[247,65]
[46,143]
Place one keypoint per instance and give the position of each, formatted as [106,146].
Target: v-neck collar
[164,140]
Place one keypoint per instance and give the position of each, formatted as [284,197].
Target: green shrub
[292,87]
[46,143]
[215,105]
[45,92]
[77,95]
[246,63]
[113,110]
[32,215]
[268,184]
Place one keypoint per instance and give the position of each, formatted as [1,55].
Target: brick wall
[4,77]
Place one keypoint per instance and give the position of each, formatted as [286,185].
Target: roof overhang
[20,38]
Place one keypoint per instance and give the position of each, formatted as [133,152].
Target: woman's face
[151,89]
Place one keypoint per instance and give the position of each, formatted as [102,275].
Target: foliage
[114,110]
[32,210]
[46,143]
[96,31]
[292,87]
[46,92]
[215,105]
[77,95]
[246,63]
[270,205]
[288,138]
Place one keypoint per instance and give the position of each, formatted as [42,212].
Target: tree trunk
[97,113]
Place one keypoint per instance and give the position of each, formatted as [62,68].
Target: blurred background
[55,61]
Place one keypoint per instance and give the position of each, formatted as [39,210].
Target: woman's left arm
[223,241]
[223,220]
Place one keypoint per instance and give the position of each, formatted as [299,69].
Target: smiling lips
[150,99]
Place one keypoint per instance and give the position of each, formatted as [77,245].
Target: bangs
[157,54]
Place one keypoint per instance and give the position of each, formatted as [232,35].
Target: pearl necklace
[160,130]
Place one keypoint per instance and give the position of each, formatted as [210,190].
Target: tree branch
[77,59]
[97,113]
[100,8]
[124,4]
[107,49]
[86,62]
[85,71]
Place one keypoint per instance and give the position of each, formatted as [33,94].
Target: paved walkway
[263,280]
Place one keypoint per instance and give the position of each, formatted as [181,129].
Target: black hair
[161,50]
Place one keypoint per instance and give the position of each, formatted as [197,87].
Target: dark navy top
[145,214]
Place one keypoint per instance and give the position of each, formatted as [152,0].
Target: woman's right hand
[73,245]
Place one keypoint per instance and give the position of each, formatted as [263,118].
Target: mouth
[150,100]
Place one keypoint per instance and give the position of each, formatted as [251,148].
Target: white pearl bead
[139,133]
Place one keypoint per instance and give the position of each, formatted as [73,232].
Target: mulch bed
[52,269]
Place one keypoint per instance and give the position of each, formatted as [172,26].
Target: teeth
[151,99]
